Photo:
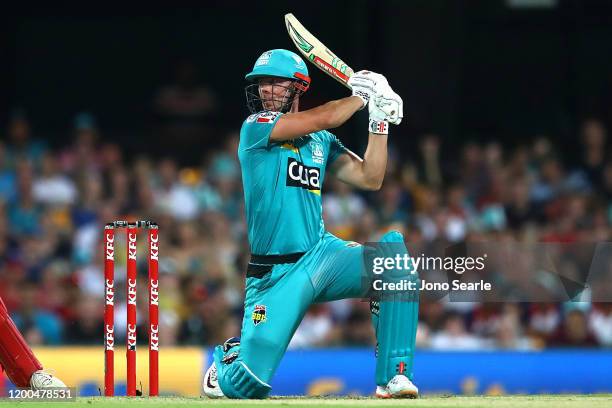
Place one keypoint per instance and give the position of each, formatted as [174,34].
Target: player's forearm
[335,113]
[374,162]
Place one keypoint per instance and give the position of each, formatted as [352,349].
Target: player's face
[274,92]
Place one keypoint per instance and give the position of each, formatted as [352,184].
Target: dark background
[477,70]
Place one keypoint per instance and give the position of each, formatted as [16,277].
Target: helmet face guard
[257,103]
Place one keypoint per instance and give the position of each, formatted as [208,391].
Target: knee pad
[390,245]
[237,380]
[392,236]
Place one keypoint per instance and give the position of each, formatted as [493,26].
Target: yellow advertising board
[180,369]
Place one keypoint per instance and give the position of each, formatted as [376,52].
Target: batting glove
[377,123]
[390,104]
[365,84]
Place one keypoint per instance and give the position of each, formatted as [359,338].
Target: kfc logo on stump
[131,337]
[154,337]
[132,246]
[154,249]
[109,337]
[110,249]
[154,295]
[131,292]
[110,292]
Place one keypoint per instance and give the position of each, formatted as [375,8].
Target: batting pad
[395,318]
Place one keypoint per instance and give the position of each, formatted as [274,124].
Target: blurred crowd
[54,204]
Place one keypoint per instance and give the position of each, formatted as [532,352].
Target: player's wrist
[364,98]
[378,127]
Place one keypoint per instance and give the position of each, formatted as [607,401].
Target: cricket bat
[316,52]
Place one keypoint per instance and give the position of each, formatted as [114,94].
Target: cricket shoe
[211,379]
[211,383]
[398,387]
[41,380]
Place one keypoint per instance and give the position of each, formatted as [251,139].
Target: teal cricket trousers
[276,302]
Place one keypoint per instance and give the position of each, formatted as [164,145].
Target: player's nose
[265,89]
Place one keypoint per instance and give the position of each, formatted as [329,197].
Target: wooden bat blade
[316,52]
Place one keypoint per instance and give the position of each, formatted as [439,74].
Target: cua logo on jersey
[300,175]
[318,156]
[259,314]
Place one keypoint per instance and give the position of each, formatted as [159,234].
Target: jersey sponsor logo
[300,175]
[259,314]
[318,154]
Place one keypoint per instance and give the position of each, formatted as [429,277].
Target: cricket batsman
[284,156]
[21,366]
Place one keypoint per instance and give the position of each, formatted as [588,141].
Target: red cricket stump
[131,310]
[109,311]
[153,311]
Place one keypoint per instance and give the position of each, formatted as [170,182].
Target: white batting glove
[377,123]
[390,104]
[365,84]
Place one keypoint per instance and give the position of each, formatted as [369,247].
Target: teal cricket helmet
[281,64]
[278,64]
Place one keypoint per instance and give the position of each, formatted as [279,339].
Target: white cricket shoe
[211,383]
[41,380]
[398,387]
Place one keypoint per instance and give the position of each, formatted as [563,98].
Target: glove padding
[365,84]
[389,103]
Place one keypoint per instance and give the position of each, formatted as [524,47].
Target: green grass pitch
[549,401]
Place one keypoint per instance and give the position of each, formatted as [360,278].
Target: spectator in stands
[454,336]
[574,332]
[38,326]
[184,109]
[21,145]
[593,138]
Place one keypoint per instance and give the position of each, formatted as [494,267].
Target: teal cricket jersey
[282,185]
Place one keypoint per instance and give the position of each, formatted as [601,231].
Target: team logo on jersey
[318,156]
[263,117]
[259,314]
[300,175]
